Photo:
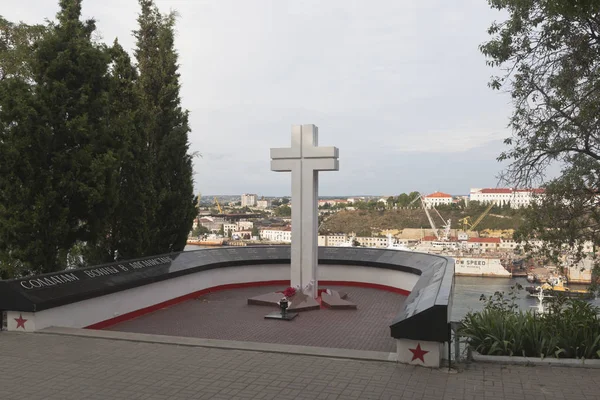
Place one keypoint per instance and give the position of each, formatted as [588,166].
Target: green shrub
[570,329]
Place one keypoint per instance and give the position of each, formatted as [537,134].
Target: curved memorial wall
[100,296]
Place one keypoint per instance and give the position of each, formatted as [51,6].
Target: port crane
[218,206]
[466,221]
[446,233]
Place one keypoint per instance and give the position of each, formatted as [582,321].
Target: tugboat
[556,286]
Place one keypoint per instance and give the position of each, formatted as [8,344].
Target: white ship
[479,266]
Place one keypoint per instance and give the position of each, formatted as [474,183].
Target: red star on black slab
[418,353]
[20,321]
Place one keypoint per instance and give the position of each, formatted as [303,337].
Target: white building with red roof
[517,198]
[436,199]
[282,234]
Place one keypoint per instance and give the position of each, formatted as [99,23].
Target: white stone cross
[305,159]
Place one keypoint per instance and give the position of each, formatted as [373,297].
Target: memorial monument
[304,159]
[100,296]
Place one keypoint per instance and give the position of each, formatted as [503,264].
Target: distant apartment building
[378,242]
[363,241]
[245,225]
[263,204]
[436,199]
[249,200]
[282,235]
[516,198]
[229,228]
[212,223]
[332,240]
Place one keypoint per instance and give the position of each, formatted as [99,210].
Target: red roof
[509,190]
[536,191]
[485,240]
[439,194]
[497,190]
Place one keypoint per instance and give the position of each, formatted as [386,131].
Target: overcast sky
[398,86]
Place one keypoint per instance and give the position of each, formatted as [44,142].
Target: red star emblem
[20,321]
[418,353]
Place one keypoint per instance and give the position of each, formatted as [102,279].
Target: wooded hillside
[363,222]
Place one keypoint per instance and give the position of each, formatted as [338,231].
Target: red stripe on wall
[165,304]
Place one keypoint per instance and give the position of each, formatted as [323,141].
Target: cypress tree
[25,189]
[18,126]
[129,231]
[94,156]
[173,208]
[61,179]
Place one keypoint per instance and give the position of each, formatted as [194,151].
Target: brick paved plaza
[55,367]
[226,315]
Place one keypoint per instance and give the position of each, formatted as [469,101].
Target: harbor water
[468,291]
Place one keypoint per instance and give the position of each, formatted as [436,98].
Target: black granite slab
[424,316]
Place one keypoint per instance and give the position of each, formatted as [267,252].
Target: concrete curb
[225,344]
[548,361]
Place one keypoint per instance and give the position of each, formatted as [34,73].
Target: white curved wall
[375,276]
[91,311]
[103,308]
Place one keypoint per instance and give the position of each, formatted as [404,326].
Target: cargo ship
[479,266]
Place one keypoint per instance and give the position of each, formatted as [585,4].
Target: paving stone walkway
[54,367]
[225,315]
